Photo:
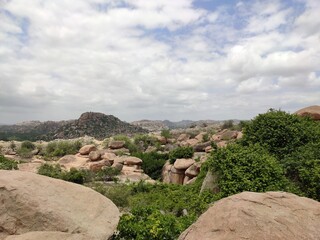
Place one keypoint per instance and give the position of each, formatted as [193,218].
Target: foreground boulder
[248,215]
[32,203]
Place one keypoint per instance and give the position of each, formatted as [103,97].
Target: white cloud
[156,59]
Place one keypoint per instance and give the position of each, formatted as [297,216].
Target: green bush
[152,163]
[303,168]
[48,170]
[118,193]
[152,224]
[128,143]
[144,141]
[157,211]
[62,148]
[280,132]
[24,152]
[7,164]
[28,145]
[180,152]
[166,133]
[247,168]
[107,174]
[227,124]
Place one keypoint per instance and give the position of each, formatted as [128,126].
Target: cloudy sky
[151,59]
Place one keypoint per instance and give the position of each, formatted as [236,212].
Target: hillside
[92,124]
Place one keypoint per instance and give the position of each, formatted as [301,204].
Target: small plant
[12,145]
[7,164]
[205,137]
[48,170]
[227,124]
[28,145]
[166,133]
[180,152]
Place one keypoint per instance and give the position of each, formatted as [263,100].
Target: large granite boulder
[312,111]
[32,203]
[263,216]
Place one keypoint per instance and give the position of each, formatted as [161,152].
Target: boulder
[240,135]
[183,163]
[192,142]
[109,156]
[176,176]
[249,215]
[132,161]
[94,156]
[162,140]
[97,165]
[200,136]
[116,144]
[312,111]
[191,181]
[193,171]
[41,235]
[165,173]
[85,150]
[117,165]
[210,183]
[228,135]
[201,147]
[222,144]
[32,202]
[71,161]
[208,149]
[183,137]
[186,179]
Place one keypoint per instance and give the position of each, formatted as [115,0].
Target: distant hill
[158,125]
[92,124]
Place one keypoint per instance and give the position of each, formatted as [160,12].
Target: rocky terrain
[248,215]
[191,169]
[97,125]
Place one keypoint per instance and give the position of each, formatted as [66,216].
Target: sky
[151,59]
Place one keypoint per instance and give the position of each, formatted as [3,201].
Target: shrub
[7,164]
[157,211]
[227,124]
[24,152]
[247,168]
[143,141]
[118,194]
[303,168]
[62,148]
[107,174]
[75,176]
[48,170]
[152,163]
[28,145]
[128,143]
[166,133]
[180,152]
[280,132]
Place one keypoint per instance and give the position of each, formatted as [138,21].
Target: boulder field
[263,216]
[38,207]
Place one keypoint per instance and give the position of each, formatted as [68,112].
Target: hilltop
[97,125]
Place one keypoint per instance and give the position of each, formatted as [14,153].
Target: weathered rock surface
[95,156]
[47,236]
[312,111]
[31,202]
[132,161]
[116,144]
[183,163]
[85,150]
[263,216]
[71,161]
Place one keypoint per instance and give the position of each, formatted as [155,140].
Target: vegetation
[128,143]
[77,176]
[144,141]
[152,163]
[180,152]
[247,168]
[281,133]
[159,211]
[6,164]
[227,124]
[26,149]
[62,148]
[166,133]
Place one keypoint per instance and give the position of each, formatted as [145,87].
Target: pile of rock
[183,171]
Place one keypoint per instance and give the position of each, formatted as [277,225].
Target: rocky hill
[92,124]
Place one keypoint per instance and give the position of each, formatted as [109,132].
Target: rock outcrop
[263,216]
[31,203]
[312,111]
